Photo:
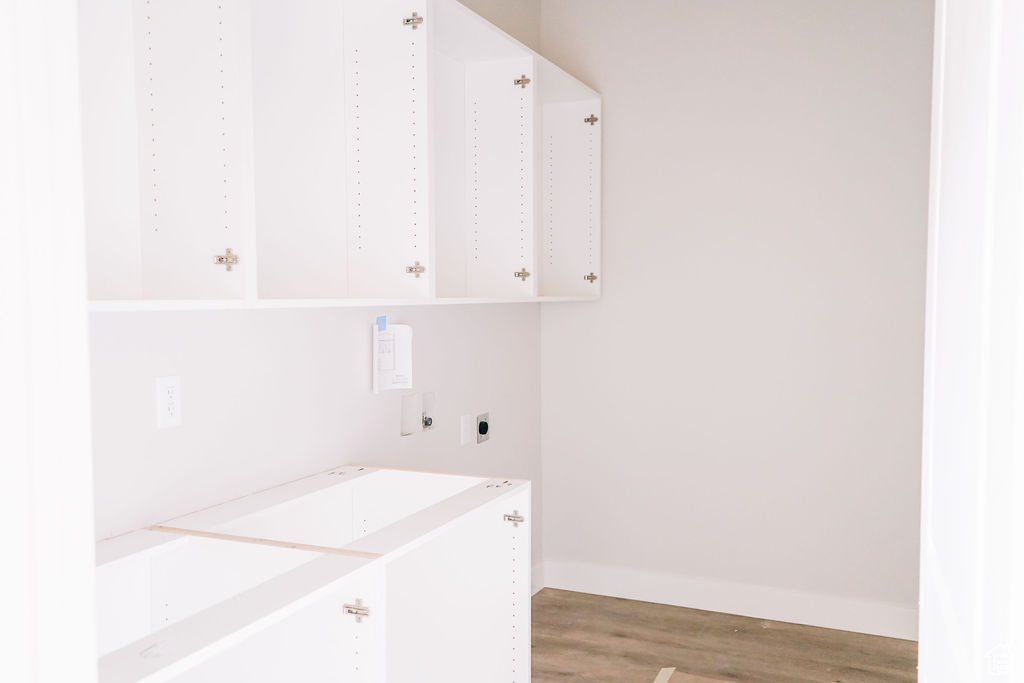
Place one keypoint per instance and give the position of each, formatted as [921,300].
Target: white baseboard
[763,602]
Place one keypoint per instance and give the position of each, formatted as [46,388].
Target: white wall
[736,425]
[269,396]
[519,18]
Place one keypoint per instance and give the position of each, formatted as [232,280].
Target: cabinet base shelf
[140,305]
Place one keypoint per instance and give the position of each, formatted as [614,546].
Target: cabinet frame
[445,189]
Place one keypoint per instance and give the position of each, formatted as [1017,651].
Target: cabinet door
[499,164]
[570,253]
[386,122]
[194,131]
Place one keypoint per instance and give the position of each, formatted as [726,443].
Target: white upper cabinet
[340,149]
[569,124]
[300,148]
[483,97]
[386,66]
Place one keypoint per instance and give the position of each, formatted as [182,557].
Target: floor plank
[581,638]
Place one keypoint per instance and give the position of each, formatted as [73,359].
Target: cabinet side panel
[323,518]
[469,588]
[448,149]
[203,572]
[299,148]
[385,497]
[500,167]
[122,603]
[570,253]
[110,149]
[386,125]
[195,135]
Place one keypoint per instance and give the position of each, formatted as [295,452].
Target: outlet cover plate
[168,402]
[483,427]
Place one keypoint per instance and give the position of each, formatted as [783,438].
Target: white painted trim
[47,624]
[972,530]
[763,602]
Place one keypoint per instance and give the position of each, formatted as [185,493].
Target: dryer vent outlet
[483,427]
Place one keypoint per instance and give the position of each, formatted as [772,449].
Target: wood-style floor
[579,637]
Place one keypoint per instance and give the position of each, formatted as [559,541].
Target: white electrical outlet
[483,427]
[168,402]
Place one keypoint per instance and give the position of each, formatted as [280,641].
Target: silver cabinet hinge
[590,119]
[415,20]
[522,274]
[359,610]
[416,269]
[227,259]
[522,81]
[590,278]
[515,518]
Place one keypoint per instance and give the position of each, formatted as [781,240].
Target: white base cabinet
[341,149]
[356,575]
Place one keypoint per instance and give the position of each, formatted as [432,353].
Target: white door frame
[47,624]
[972,529]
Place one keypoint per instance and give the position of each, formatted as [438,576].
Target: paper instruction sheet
[392,357]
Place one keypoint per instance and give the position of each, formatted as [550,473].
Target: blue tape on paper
[382,323]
